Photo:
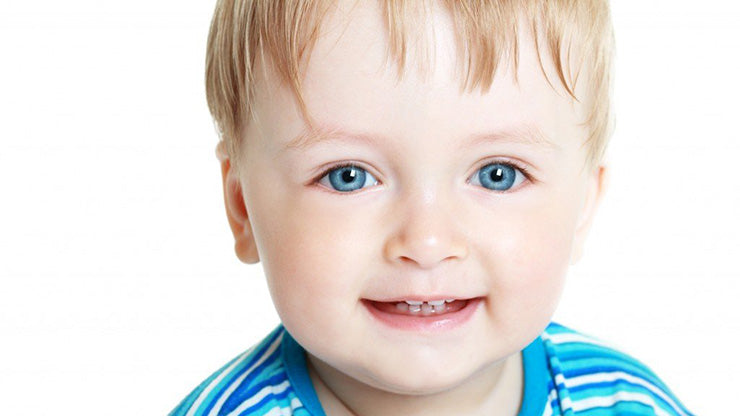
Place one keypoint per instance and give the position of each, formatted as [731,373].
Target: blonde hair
[286,30]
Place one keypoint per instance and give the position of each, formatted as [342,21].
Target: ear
[236,211]
[596,187]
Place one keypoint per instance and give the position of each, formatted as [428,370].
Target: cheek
[313,262]
[529,256]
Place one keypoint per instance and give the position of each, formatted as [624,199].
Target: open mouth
[432,314]
[421,308]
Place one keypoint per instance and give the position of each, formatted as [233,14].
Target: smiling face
[422,193]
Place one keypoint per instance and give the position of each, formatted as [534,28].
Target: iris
[497,176]
[348,178]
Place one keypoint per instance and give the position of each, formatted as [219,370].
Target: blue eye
[498,177]
[347,178]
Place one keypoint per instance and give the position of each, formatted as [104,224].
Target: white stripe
[559,379]
[565,404]
[620,396]
[275,411]
[295,403]
[566,338]
[280,411]
[548,407]
[222,399]
[619,375]
[261,395]
[196,404]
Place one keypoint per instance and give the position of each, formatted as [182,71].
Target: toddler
[416,178]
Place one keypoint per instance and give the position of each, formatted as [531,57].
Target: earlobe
[597,184]
[236,212]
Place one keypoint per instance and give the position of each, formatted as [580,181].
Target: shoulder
[590,376]
[254,382]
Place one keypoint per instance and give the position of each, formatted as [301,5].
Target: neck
[494,390]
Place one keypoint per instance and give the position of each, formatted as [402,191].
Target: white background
[119,288]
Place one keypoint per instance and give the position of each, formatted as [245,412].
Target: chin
[415,383]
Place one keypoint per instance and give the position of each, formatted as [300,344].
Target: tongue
[402,308]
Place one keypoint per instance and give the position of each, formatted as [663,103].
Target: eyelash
[516,165]
[326,171]
[521,168]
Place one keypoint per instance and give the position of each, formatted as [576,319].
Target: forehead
[350,83]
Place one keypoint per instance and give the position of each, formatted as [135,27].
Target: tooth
[414,308]
[414,302]
[427,309]
[436,302]
[449,300]
[403,306]
[440,308]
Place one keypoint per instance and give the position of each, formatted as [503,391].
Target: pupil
[349,175]
[498,175]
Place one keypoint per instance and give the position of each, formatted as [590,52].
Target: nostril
[427,262]
[405,259]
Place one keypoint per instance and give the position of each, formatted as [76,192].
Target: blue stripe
[274,380]
[583,371]
[573,359]
[631,367]
[267,403]
[555,405]
[579,358]
[556,328]
[212,397]
[242,393]
[615,384]
[188,401]
[621,408]
[605,369]
[241,369]
[182,408]
[579,351]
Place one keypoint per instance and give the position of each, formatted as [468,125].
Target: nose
[427,233]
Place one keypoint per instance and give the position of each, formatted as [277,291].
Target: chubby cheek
[314,266]
[528,259]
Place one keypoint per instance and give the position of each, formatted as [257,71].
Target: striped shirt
[565,373]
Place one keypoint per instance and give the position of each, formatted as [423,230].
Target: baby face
[428,238]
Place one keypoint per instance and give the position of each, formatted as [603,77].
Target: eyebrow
[527,134]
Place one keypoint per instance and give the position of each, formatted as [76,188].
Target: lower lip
[428,323]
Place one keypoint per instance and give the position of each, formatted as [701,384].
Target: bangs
[572,34]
